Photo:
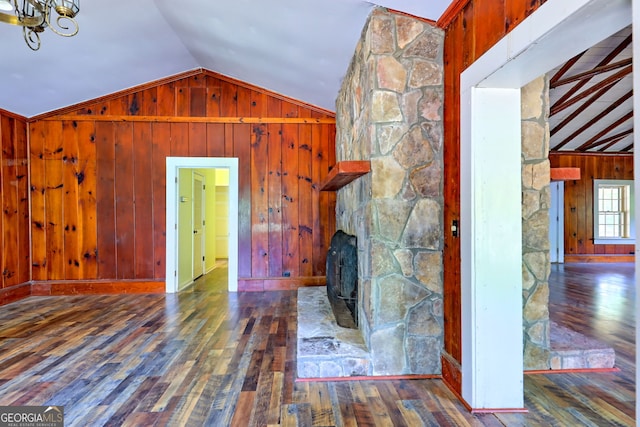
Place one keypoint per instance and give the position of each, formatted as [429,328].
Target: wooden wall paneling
[143,200]
[38,205]
[468,36]
[305,199]
[124,201]
[197,139]
[183,98]
[318,199]
[228,100]
[9,200]
[54,202]
[105,196]
[166,100]
[22,178]
[289,109]
[241,150]
[590,165]
[215,139]
[260,225]
[490,14]
[120,106]
[72,224]
[197,101]
[258,104]
[579,200]
[122,165]
[243,103]
[581,207]
[516,12]
[290,216]
[179,139]
[275,194]
[147,102]
[571,218]
[451,151]
[229,140]
[161,149]
[87,202]
[214,91]
[325,209]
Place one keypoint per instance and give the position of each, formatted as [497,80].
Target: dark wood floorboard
[206,357]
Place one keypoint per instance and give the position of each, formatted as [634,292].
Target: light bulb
[6,5]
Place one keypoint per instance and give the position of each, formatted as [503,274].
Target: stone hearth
[572,350]
[325,349]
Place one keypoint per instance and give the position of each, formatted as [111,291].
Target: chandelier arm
[59,21]
[24,22]
[32,38]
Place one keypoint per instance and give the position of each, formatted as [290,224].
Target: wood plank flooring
[209,358]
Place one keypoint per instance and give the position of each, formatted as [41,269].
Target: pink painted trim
[499,410]
[371,378]
[572,371]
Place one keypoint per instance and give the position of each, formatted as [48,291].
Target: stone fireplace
[389,111]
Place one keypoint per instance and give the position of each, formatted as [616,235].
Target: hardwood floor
[206,357]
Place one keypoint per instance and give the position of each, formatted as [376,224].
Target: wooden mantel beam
[565,174]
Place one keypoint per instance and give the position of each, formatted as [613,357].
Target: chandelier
[34,16]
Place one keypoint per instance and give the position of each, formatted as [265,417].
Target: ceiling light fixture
[34,16]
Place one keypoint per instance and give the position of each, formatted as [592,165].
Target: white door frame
[490,187]
[175,163]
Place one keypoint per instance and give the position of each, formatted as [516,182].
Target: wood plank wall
[98,180]
[471,28]
[14,218]
[578,204]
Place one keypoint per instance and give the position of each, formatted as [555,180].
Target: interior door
[198,225]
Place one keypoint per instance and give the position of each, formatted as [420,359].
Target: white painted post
[491,206]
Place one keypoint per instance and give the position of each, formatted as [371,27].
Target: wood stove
[342,278]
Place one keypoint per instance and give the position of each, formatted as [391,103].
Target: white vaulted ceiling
[299,48]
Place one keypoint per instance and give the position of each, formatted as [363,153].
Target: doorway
[491,244]
[184,174]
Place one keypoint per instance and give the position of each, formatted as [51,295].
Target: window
[613,220]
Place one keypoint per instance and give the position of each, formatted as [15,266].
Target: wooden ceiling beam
[627,148]
[564,69]
[615,140]
[591,143]
[593,72]
[595,119]
[606,141]
[610,57]
[580,109]
[587,92]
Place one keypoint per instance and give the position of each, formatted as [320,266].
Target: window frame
[631,239]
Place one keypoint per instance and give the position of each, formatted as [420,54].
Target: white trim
[175,163]
[558,30]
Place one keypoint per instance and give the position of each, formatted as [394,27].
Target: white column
[491,252]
